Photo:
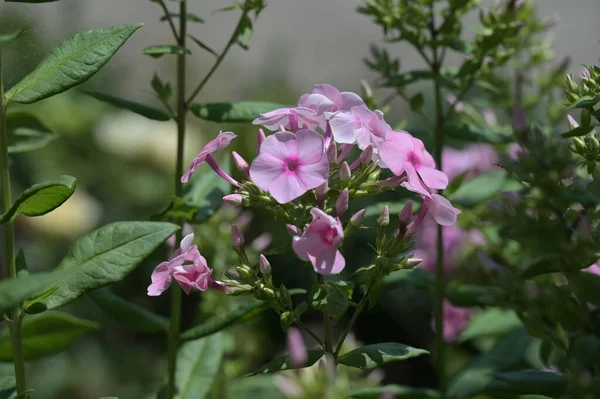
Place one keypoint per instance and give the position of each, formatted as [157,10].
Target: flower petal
[309,146]
[433,178]
[265,169]
[286,188]
[342,126]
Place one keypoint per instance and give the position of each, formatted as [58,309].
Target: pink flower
[594,269]
[403,153]
[297,348]
[221,142]
[326,99]
[320,242]
[474,159]
[455,321]
[289,118]
[289,165]
[361,126]
[442,210]
[196,275]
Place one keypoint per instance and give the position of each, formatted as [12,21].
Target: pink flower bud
[405,215]
[357,219]
[572,122]
[384,218]
[332,152]
[261,242]
[240,163]
[341,205]
[345,172]
[293,230]
[264,265]
[259,139]
[367,154]
[236,237]
[233,200]
[321,192]
[412,262]
[519,120]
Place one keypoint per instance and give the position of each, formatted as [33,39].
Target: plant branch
[170,20]
[327,324]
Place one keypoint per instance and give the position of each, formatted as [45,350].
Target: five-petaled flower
[361,126]
[289,165]
[319,243]
[221,142]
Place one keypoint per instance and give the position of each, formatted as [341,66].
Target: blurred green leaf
[398,391]
[222,321]
[330,299]
[260,386]
[376,355]
[13,292]
[490,323]
[472,133]
[26,133]
[140,109]
[205,191]
[507,352]
[46,334]
[548,383]
[42,198]
[467,295]
[177,210]
[283,363]
[586,286]
[233,112]
[203,46]
[416,277]
[417,101]
[9,37]
[244,31]
[8,386]
[578,131]
[198,365]
[106,256]
[479,189]
[160,50]
[129,313]
[71,63]
[162,90]
[395,207]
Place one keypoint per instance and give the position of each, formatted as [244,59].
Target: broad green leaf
[203,46]
[330,299]
[283,363]
[242,111]
[46,334]
[548,383]
[129,313]
[42,198]
[578,131]
[507,352]
[26,133]
[472,295]
[416,277]
[479,189]
[586,101]
[177,210]
[106,256]
[13,292]
[71,63]
[159,51]
[398,391]
[8,386]
[489,323]
[140,109]
[9,37]
[260,386]
[198,364]
[222,321]
[205,191]
[376,355]
[35,305]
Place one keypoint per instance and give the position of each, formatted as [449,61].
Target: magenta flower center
[414,159]
[291,164]
[328,235]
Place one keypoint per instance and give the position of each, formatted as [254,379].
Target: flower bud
[384,218]
[241,164]
[572,122]
[236,237]
[261,242]
[519,120]
[413,262]
[297,348]
[332,152]
[367,154]
[321,192]
[293,230]
[405,218]
[244,271]
[233,200]
[264,265]
[357,219]
[579,145]
[345,173]
[341,205]
[259,139]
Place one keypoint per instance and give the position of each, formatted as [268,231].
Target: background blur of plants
[123,163]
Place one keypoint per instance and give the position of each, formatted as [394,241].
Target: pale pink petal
[264,170]
[433,178]
[273,119]
[316,102]
[350,100]
[414,182]
[309,146]
[442,211]
[313,175]
[297,348]
[330,92]
[286,188]
[343,126]
[395,150]
[279,145]
[161,279]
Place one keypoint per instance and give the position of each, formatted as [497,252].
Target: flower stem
[9,241]
[176,292]
[353,319]
[327,325]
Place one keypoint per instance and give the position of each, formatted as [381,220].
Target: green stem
[327,324]
[9,240]
[353,319]
[176,292]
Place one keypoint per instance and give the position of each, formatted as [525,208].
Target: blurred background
[125,165]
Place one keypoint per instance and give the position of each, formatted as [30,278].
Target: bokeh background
[125,164]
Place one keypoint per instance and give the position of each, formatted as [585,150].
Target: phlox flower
[195,275]
[290,118]
[289,165]
[319,243]
[296,348]
[361,126]
[221,142]
[474,159]
[325,100]
[403,153]
[455,320]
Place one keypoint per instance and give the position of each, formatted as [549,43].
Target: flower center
[328,235]
[414,158]
[291,164]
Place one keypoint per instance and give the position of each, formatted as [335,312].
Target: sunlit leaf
[140,109]
[490,322]
[241,111]
[159,51]
[376,355]
[198,365]
[398,391]
[26,133]
[284,363]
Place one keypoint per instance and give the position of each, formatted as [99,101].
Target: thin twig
[170,20]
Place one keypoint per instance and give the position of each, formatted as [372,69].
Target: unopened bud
[579,145]
[519,120]
[236,237]
[233,200]
[367,154]
[264,265]
[572,122]
[357,219]
[244,271]
[321,192]
[594,144]
[345,173]
[341,205]
[332,152]
[413,262]
[241,164]
[293,230]
[259,139]
[384,218]
[261,242]
[405,217]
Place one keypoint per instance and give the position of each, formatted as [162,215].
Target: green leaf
[416,277]
[330,299]
[13,292]
[467,295]
[42,198]
[473,133]
[188,17]
[376,355]
[394,207]
[233,112]
[26,133]
[283,363]
[177,210]
[260,386]
[198,364]
[578,131]
[159,51]
[71,63]
[587,286]
[35,305]
[8,387]
[46,334]
[106,256]
[9,37]
[244,31]
[162,90]
[479,189]
[129,313]
[223,320]
[586,102]
[548,383]
[417,101]
[399,391]
[507,352]
[205,191]
[203,46]
[140,109]
[490,323]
